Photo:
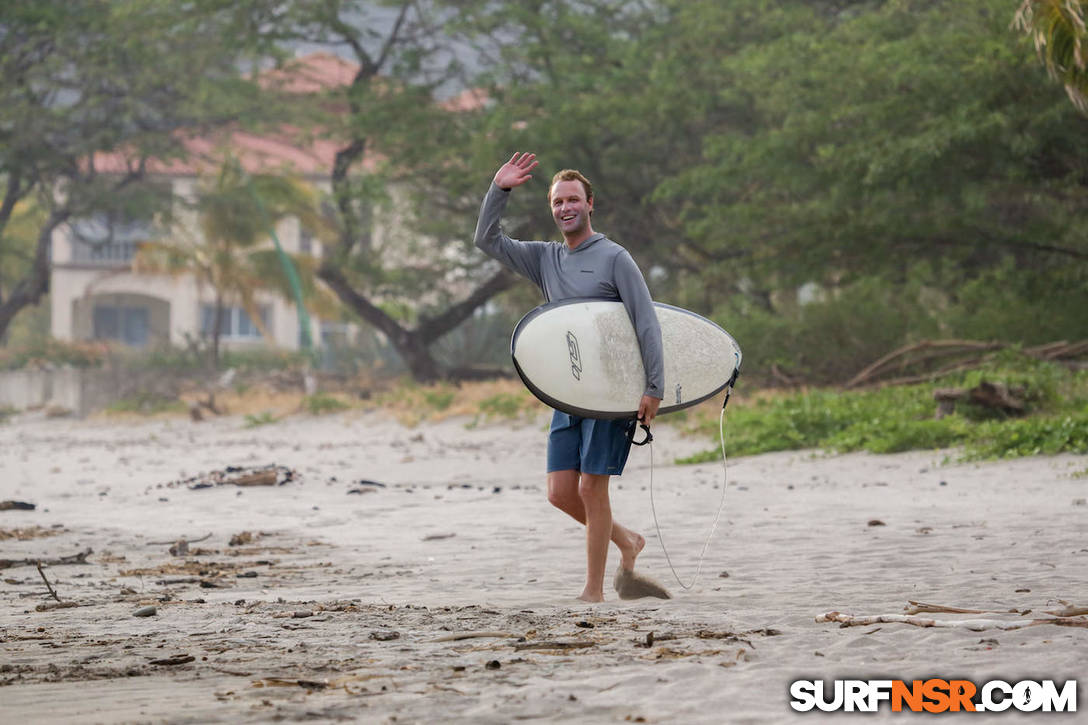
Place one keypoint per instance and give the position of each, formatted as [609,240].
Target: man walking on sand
[583,453]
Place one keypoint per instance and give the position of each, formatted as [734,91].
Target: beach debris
[584,624]
[555,644]
[724,575]
[386,635]
[30,532]
[241,539]
[1069,610]
[180,548]
[50,606]
[1080,502]
[493,665]
[975,625]
[280,682]
[175,542]
[458,636]
[175,660]
[80,558]
[437,537]
[630,585]
[913,607]
[365,482]
[148,611]
[876,522]
[17,506]
[362,490]
[268,475]
[301,614]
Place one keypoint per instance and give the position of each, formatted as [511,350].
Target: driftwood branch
[975,625]
[970,353]
[80,558]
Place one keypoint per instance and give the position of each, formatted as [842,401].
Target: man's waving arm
[522,257]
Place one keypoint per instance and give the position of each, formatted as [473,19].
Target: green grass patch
[438,399]
[502,405]
[147,404]
[259,419]
[896,419]
[322,403]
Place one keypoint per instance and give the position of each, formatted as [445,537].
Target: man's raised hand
[515,172]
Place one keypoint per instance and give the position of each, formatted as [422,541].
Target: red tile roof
[282,151]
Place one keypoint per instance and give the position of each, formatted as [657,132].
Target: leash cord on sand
[717,516]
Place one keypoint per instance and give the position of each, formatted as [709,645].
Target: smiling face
[571,210]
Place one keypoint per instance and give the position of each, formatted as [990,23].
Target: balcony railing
[109,254]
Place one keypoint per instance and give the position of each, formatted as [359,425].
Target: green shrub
[902,418]
[56,353]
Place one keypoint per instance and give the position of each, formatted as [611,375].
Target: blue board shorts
[597,447]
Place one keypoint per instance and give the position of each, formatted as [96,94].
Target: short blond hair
[571,175]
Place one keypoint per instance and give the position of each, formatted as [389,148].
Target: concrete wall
[73,389]
[80,390]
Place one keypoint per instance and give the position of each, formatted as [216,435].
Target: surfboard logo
[575,356]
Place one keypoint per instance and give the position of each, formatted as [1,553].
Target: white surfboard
[581,356]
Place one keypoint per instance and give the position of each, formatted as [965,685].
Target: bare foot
[629,552]
[630,585]
[585,596]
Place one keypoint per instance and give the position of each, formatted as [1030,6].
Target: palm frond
[1057,28]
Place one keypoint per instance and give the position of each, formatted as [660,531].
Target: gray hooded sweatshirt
[598,268]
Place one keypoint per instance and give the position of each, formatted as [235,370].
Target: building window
[129,325]
[105,239]
[233,322]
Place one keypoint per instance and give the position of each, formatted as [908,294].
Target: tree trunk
[35,283]
[413,346]
[217,329]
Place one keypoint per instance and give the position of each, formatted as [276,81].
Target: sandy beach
[419,575]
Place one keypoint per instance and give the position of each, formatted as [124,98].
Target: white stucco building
[95,293]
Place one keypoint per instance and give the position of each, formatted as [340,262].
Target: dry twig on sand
[47,584]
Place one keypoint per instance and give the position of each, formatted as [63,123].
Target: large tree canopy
[123,76]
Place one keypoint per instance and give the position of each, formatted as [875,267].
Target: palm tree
[1058,29]
[234,213]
